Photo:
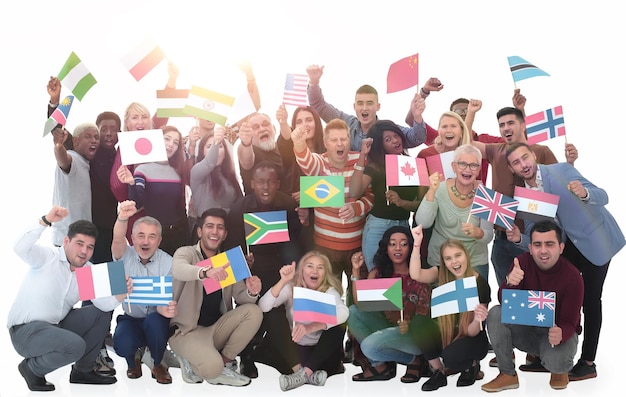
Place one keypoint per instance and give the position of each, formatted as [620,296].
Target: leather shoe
[159,372]
[248,368]
[90,378]
[34,382]
[134,373]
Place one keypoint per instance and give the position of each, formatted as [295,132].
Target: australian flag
[524,307]
[545,125]
[494,207]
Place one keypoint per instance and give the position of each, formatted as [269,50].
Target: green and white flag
[209,105]
[75,76]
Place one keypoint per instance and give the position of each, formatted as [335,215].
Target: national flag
[76,77]
[59,116]
[151,291]
[406,171]
[209,105]
[142,146]
[522,69]
[535,205]
[494,207]
[379,294]
[295,89]
[545,125]
[313,306]
[524,307]
[143,58]
[441,163]
[242,108]
[237,271]
[97,281]
[322,191]
[457,296]
[403,74]
[171,102]
[266,227]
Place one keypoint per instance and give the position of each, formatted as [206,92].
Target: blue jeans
[502,254]
[131,333]
[534,340]
[372,234]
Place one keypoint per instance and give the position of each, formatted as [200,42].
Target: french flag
[313,306]
[545,125]
[97,281]
[535,205]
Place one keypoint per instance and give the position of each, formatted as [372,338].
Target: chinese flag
[402,74]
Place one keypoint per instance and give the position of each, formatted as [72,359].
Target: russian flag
[535,205]
[97,281]
[313,306]
[406,171]
[441,163]
[379,294]
[237,271]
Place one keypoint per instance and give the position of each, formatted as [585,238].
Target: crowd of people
[166,218]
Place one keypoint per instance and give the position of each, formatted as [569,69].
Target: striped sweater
[330,230]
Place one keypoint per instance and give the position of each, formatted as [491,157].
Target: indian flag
[171,102]
[75,76]
[379,294]
[209,105]
[97,281]
[535,205]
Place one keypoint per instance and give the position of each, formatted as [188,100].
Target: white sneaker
[187,372]
[291,381]
[317,378]
[103,358]
[230,378]
[232,365]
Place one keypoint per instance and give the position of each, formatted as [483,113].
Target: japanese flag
[143,146]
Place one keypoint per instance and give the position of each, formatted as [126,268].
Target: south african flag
[266,227]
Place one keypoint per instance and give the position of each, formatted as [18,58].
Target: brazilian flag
[322,191]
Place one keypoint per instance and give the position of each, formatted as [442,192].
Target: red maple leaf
[408,170]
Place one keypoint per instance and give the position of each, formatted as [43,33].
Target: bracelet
[46,221]
[250,295]
[122,220]
[353,278]
[359,168]
[244,145]
[424,92]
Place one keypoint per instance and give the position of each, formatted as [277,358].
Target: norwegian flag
[494,207]
[545,125]
[541,299]
[295,89]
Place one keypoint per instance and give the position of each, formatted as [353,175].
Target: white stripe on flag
[370,294]
[74,76]
[139,52]
[306,293]
[101,282]
[202,104]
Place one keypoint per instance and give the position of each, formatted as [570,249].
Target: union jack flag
[545,125]
[541,299]
[295,89]
[494,207]
[525,307]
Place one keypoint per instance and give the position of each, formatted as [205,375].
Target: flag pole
[387,191]
[128,301]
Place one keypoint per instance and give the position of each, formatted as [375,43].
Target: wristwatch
[204,275]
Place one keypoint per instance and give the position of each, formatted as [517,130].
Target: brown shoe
[559,381]
[159,372]
[501,382]
[134,373]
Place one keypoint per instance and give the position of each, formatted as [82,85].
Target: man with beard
[365,106]
[593,237]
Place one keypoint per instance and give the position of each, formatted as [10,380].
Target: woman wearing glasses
[446,207]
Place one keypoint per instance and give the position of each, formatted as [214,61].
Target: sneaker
[101,369]
[103,358]
[232,365]
[291,381]
[230,378]
[317,378]
[169,359]
[437,380]
[558,381]
[187,372]
[501,382]
[582,371]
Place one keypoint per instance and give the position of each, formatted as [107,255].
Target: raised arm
[64,160]
[359,180]
[417,273]
[119,244]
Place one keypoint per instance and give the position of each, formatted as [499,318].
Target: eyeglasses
[463,165]
[460,111]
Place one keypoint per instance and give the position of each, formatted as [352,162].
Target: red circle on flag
[143,146]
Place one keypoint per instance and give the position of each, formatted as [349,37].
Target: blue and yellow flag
[322,191]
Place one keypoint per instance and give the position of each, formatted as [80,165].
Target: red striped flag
[314,306]
[406,171]
[545,125]
[295,89]
[97,281]
[143,58]
[535,205]
[441,163]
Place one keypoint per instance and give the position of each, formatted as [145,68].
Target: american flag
[494,207]
[524,307]
[151,291]
[295,89]
[545,125]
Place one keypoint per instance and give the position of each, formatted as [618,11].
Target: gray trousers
[77,338]
[534,340]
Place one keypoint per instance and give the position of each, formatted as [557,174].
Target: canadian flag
[406,171]
[143,146]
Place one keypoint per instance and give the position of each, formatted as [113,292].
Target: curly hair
[381,257]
